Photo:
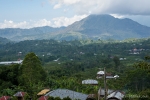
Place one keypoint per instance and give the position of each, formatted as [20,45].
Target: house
[62,93]
[90,81]
[122,58]
[5,98]
[100,74]
[111,94]
[109,76]
[43,92]
[20,95]
[116,95]
[101,93]
[43,98]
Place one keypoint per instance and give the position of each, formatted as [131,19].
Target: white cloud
[68,2]
[11,24]
[57,6]
[64,2]
[55,22]
[131,7]
[24,24]
[117,16]
[59,3]
[138,10]
[64,21]
[42,22]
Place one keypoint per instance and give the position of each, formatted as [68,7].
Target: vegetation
[64,64]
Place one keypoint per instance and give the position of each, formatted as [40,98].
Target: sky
[56,13]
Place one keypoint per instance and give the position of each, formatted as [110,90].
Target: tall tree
[32,74]
[145,77]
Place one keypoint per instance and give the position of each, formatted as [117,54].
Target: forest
[64,64]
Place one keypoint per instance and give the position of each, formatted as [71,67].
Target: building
[62,93]
[11,62]
[90,81]
[43,92]
[100,75]
[20,95]
[101,92]
[43,98]
[5,98]
[116,95]
[111,94]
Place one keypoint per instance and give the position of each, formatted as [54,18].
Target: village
[61,94]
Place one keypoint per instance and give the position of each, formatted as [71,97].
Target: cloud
[68,2]
[55,22]
[57,6]
[64,2]
[58,3]
[126,7]
[42,22]
[25,24]
[117,16]
[65,21]
[11,24]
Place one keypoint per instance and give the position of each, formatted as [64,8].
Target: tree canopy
[31,72]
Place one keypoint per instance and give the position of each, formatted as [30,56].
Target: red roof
[43,98]
[4,97]
[19,94]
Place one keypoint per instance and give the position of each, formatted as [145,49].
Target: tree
[32,75]
[144,68]
[145,65]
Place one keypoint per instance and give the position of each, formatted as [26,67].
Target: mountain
[106,26]
[17,34]
[91,27]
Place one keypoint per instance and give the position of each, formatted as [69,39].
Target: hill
[17,34]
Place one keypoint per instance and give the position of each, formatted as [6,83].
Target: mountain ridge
[91,27]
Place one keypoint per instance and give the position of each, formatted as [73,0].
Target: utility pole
[105,86]
[105,90]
